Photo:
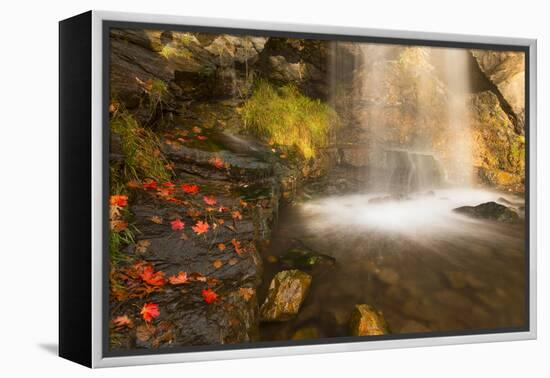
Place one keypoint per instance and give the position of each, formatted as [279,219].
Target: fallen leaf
[209,200]
[236,215]
[119,200]
[142,245]
[150,311]
[149,184]
[233,261]
[200,227]
[217,162]
[272,259]
[217,264]
[221,247]
[202,137]
[184,236]
[148,275]
[156,219]
[122,321]
[237,245]
[195,276]
[212,281]
[168,184]
[178,279]
[196,129]
[247,293]
[209,295]
[118,225]
[133,184]
[190,188]
[177,224]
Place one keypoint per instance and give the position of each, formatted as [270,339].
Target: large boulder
[286,293]
[506,70]
[366,321]
[489,210]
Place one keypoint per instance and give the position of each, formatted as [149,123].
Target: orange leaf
[237,245]
[122,321]
[209,200]
[217,162]
[236,214]
[142,245]
[246,293]
[181,278]
[119,200]
[177,224]
[156,219]
[150,311]
[151,277]
[190,188]
[200,227]
[221,247]
[217,264]
[209,295]
[149,184]
[118,225]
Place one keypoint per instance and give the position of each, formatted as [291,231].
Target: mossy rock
[491,211]
[366,321]
[301,258]
[287,292]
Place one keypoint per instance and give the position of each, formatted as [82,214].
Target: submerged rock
[301,258]
[306,333]
[366,321]
[287,291]
[489,210]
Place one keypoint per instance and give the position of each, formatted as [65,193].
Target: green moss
[285,117]
[169,51]
[143,158]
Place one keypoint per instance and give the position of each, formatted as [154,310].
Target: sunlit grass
[285,117]
[143,158]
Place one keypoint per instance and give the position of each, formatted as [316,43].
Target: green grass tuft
[143,158]
[285,117]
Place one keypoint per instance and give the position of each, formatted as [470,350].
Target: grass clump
[285,117]
[143,158]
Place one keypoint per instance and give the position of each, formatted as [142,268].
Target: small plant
[143,158]
[285,117]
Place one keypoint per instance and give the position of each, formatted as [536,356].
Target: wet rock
[306,333]
[506,70]
[489,210]
[306,259]
[287,291]
[366,321]
[412,326]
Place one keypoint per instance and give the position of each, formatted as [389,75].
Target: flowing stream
[424,266]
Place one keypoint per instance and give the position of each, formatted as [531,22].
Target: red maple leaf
[168,184]
[149,311]
[181,278]
[217,162]
[177,224]
[200,227]
[209,295]
[149,184]
[209,200]
[190,188]
[148,275]
[201,137]
[119,200]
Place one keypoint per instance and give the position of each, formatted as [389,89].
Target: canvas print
[269,190]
